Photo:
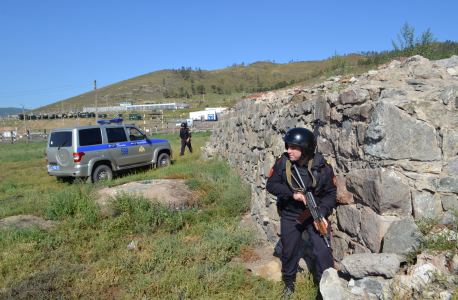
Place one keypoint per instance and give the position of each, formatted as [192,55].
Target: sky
[53,50]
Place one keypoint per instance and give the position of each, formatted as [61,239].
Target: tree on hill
[200,74]
[200,89]
[410,46]
[426,45]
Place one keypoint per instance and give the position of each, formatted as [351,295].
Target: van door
[141,150]
[118,146]
[60,152]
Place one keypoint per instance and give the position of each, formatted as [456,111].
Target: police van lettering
[128,144]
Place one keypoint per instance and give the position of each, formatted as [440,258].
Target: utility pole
[144,120]
[63,120]
[25,126]
[96,110]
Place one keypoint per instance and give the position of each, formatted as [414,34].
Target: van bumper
[78,171]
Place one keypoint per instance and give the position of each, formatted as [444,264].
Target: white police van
[95,152]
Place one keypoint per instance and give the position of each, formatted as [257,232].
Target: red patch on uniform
[271,172]
[334,180]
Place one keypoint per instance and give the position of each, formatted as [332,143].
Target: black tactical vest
[317,169]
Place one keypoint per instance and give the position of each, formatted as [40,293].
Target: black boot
[289,285]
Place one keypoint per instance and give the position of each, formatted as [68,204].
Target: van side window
[116,135]
[60,139]
[135,135]
[88,137]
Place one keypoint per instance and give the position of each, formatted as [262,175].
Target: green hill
[187,84]
[4,111]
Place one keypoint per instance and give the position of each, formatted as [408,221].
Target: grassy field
[179,254]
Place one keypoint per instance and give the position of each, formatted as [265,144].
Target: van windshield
[61,139]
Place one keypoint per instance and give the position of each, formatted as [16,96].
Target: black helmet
[183,124]
[301,137]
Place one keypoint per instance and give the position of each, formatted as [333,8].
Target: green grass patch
[19,152]
[174,254]
[134,213]
[440,242]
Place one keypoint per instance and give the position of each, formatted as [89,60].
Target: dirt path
[25,221]
[261,259]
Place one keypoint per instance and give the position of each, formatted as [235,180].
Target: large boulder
[381,189]
[374,227]
[354,96]
[402,238]
[426,205]
[449,94]
[340,245]
[349,219]
[393,134]
[448,185]
[322,110]
[416,281]
[449,62]
[331,287]
[371,264]
[367,288]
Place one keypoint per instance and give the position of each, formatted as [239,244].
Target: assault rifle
[313,209]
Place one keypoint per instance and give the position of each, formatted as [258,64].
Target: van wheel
[102,173]
[163,160]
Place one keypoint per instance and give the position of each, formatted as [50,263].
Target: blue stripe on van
[124,144]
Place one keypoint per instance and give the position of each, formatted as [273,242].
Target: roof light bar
[112,121]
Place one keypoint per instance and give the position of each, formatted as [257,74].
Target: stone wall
[391,136]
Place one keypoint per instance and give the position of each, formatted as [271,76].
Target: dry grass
[249,254]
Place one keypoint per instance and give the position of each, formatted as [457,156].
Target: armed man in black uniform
[185,138]
[318,178]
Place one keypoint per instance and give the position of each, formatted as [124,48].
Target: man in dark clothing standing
[185,138]
[319,179]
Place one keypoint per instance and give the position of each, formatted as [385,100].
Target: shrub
[75,201]
[136,213]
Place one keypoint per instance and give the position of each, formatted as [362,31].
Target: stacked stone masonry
[391,136]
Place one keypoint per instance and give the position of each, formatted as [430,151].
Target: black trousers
[184,144]
[291,235]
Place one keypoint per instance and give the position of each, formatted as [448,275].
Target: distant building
[204,115]
[125,103]
[217,110]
